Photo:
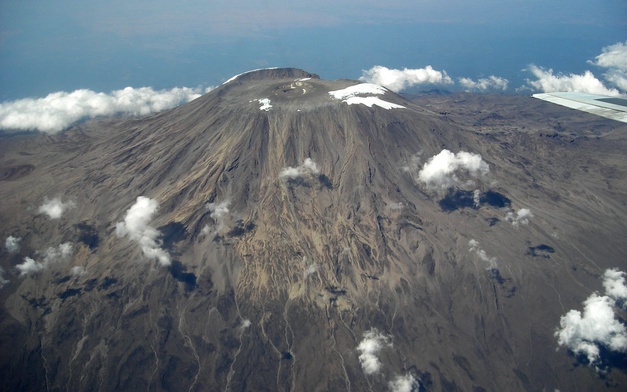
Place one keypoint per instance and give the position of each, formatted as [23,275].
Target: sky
[505,46]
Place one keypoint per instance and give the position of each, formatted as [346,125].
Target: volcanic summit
[288,233]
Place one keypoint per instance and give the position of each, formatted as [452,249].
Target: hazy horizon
[177,51]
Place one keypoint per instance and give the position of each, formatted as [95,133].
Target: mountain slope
[289,238]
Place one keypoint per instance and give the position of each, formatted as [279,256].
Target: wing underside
[614,108]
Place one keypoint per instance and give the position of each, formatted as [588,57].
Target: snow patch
[247,72]
[353,96]
[265,104]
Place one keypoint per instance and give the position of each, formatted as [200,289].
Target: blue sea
[475,50]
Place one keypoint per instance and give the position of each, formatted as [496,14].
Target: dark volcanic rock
[281,265]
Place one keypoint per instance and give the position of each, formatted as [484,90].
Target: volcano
[288,233]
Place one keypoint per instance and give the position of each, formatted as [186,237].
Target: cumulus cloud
[311,268]
[490,261]
[292,173]
[58,111]
[369,348]
[61,252]
[396,206]
[446,169]
[398,80]
[48,257]
[491,83]
[12,244]
[584,333]
[613,56]
[413,164]
[3,281]
[519,217]
[78,270]
[54,208]
[614,59]
[137,227]
[219,212]
[29,266]
[406,383]
[614,284]
[548,82]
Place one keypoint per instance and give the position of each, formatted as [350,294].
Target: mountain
[284,232]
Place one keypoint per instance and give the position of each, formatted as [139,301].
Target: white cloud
[29,266]
[583,333]
[406,383]
[614,58]
[485,84]
[548,82]
[57,111]
[54,208]
[476,198]
[78,270]
[617,78]
[490,261]
[312,268]
[369,348]
[396,206]
[443,170]
[308,167]
[137,227]
[12,244]
[219,213]
[61,252]
[519,217]
[50,256]
[413,165]
[614,284]
[398,80]
[3,281]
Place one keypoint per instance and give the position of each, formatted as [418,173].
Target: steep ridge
[296,223]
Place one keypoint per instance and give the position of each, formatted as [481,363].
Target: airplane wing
[614,108]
